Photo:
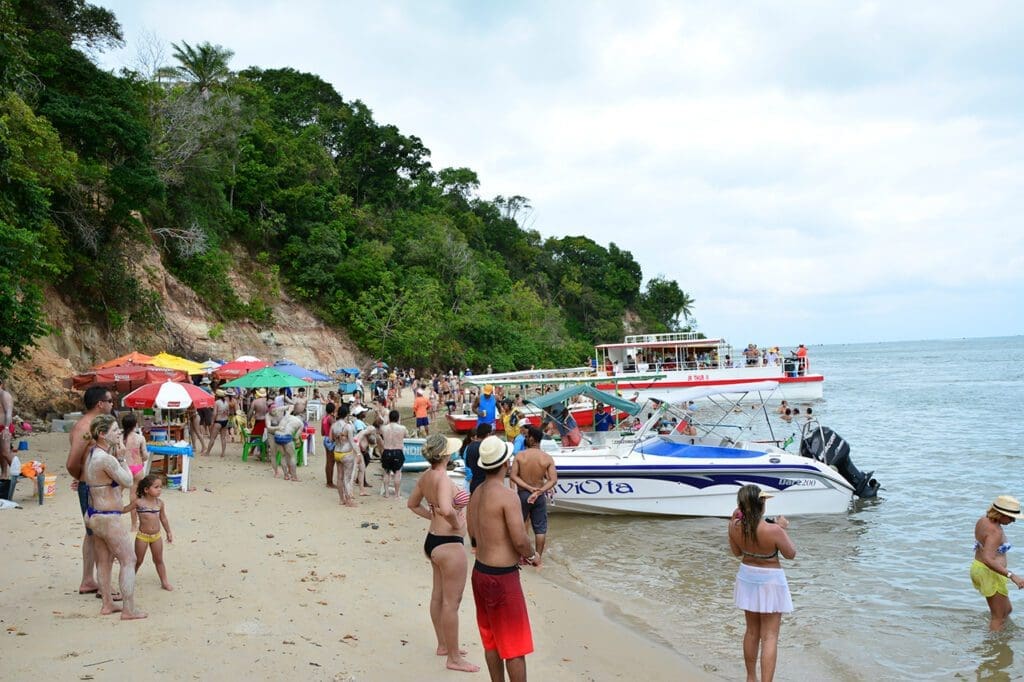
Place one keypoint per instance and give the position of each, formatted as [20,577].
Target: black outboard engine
[825,445]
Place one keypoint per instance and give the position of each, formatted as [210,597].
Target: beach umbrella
[300,372]
[268,377]
[176,362]
[211,364]
[247,358]
[233,370]
[125,377]
[169,395]
[131,358]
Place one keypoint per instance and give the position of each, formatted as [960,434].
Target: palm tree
[205,66]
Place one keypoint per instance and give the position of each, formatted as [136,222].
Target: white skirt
[762,590]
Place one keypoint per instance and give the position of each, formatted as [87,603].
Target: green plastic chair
[250,441]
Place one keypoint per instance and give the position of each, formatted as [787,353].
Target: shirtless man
[257,414]
[393,434]
[286,430]
[6,434]
[533,472]
[107,474]
[299,405]
[221,414]
[495,521]
[97,401]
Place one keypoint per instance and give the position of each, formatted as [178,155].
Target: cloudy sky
[809,172]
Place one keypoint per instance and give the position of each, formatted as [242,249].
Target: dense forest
[345,213]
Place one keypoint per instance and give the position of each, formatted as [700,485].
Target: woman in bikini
[136,456]
[761,588]
[152,516]
[446,511]
[107,473]
[989,571]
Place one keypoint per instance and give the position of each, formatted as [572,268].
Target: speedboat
[412,448]
[692,463]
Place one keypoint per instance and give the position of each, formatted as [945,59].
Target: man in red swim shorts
[495,520]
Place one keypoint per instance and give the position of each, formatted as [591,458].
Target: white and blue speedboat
[685,463]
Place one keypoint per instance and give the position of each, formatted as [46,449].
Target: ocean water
[881,592]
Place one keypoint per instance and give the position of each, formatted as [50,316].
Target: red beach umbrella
[169,395]
[238,368]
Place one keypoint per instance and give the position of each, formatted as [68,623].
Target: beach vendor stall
[176,454]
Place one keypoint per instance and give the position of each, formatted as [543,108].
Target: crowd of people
[510,483]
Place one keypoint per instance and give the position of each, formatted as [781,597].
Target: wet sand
[274,579]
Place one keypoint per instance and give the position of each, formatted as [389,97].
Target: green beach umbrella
[268,377]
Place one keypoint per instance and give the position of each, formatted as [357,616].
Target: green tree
[663,302]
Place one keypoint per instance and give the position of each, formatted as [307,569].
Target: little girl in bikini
[150,508]
[136,455]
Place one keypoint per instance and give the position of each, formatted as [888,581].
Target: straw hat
[220,393]
[1008,506]
[488,389]
[261,393]
[494,452]
[437,447]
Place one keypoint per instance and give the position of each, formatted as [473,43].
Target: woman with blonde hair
[761,588]
[446,511]
[989,572]
[105,471]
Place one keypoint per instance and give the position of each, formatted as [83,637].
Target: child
[136,456]
[150,508]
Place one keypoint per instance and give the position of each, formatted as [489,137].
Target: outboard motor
[825,445]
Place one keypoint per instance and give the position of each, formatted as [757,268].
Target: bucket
[49,486]
[22,446]
[174,482]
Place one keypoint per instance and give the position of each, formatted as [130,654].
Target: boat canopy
[548,399]
[697,392]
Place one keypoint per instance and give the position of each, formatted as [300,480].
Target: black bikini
[434,541]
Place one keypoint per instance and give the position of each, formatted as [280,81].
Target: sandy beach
[274,579]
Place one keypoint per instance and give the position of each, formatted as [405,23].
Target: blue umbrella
[300,372]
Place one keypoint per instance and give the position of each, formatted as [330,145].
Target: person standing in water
[761,588]
[989,572]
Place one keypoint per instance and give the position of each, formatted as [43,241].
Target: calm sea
[881,592]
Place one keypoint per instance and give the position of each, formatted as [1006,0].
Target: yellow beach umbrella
[174,362]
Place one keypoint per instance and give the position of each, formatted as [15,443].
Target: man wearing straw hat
[258,413]
[494,519]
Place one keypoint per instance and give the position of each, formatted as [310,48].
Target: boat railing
[666,337]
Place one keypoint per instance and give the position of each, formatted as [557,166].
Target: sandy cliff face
[77,344]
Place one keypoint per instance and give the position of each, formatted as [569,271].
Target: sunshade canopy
[211,364]
[548,399]
[300,372]
[354,371]
[134,357]
[233,370]
[175,362]
[268,377]
[126,377]
[168,395]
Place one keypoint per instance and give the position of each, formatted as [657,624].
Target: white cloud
[821,172]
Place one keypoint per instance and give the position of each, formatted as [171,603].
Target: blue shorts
[328,444]
[422,421]
[536,512]
[282,439]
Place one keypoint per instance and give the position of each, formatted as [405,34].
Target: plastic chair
[250,441]
[299,454]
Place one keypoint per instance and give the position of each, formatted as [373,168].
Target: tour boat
[661,365]
[683,462]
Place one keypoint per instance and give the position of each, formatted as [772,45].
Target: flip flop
[92,591]
[374,526]
[364,524]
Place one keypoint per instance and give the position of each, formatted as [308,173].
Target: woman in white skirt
[761,588]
